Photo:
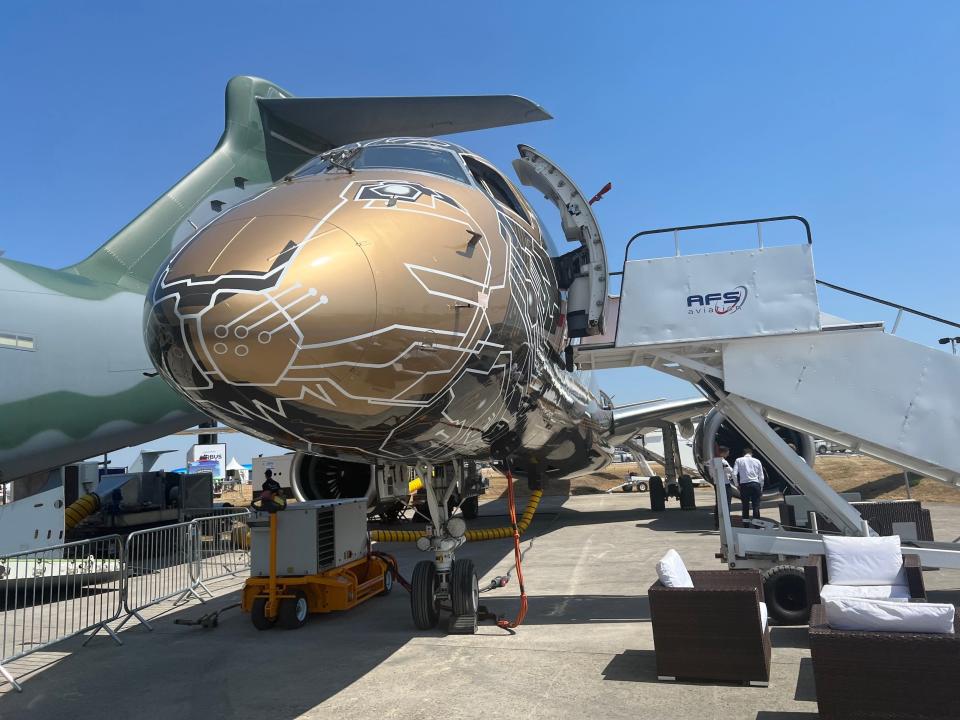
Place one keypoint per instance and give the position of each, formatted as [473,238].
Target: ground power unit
[312,537]
[311,557]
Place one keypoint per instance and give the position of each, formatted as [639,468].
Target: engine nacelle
[715,429]
[313,477]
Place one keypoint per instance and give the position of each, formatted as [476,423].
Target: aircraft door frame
[586,283]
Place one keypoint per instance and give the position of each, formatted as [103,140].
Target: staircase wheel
[423,595]
[785,592]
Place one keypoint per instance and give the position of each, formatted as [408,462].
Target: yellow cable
[472,535]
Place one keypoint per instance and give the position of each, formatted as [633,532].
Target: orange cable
[511,503]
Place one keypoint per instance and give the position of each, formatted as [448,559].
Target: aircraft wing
[635,420]
[338,121]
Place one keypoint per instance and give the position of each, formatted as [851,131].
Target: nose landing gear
[444,583]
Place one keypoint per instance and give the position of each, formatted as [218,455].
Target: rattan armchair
[815,574]
[712,631]
[881,675]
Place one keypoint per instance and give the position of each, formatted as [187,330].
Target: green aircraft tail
[245,157]
[268,132]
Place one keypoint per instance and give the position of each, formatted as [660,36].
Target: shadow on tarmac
[806,689]
[575,609]
[789,637]
[236,671]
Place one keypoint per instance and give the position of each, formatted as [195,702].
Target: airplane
[335,280]
[396,302]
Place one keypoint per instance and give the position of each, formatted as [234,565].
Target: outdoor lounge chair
[716,630]
[867,675]
[815,574]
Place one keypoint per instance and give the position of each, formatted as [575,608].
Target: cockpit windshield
[399,157]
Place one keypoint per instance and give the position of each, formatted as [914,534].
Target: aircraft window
[404,157]
[490,180]
[17,342]
[314,167]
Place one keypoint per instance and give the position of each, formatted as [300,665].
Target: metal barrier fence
[223,545]
[53,594]
[158,564]
[188,513]
[58,592]
[174,561]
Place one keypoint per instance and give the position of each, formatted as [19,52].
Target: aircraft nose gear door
[581,272]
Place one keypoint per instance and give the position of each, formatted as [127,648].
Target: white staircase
[747,329]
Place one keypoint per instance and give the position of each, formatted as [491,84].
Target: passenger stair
[746,327]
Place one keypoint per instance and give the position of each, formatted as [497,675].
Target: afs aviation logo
[715,303]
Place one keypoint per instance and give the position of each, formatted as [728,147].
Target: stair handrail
[677,230]
[900,308]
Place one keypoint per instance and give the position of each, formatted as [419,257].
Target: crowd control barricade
[159,564]
[223,545]
[189,513]
[58,592]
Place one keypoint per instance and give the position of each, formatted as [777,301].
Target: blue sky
[846,113]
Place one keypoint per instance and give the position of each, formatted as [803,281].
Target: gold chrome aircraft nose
[336,313]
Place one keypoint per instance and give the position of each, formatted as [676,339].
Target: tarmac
[585,650]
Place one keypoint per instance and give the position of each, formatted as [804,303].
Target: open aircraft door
[581,272]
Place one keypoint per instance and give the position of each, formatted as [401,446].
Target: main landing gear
[444,583]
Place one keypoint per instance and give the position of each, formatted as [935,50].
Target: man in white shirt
[749,477]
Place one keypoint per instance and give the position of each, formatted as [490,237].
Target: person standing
[749,477]
[271,496]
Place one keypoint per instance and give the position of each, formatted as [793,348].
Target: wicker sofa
[815,574]
[873,675]
[712,631]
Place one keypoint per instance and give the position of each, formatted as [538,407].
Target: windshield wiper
[338,164]
[339,159]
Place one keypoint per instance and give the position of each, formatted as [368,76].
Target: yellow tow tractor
[311,557]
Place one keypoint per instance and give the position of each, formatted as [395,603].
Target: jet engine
[313,477]
[715,429]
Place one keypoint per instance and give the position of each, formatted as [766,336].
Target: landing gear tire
[465,597]
[785,592]
[470,507]
[688,500]
[423,596]
[294,611]
[258,615]
[658,497]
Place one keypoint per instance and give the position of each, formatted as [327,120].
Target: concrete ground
[585,650]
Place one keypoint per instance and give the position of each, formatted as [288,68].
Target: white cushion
[853,614]
[864,560]
[894,593]
[763,617]
[672,572]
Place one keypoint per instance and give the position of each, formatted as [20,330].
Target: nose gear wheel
[424,602]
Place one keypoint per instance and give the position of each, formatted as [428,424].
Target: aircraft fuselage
[391,303]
